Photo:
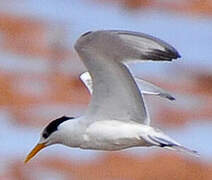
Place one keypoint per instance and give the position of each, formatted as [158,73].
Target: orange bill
[35,150]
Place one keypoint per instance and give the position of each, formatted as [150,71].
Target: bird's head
[50,135]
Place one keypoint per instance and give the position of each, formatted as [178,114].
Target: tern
[116,117]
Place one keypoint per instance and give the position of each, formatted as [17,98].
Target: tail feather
[185,149]
[166,142]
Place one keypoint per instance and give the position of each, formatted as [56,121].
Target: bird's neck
[71,132]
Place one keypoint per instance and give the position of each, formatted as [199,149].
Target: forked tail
[158,138]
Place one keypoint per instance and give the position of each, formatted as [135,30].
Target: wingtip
[172,53]
[162,55]
[176,55]
[168,96]
[171,98]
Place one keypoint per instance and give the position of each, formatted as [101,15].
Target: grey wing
[147,47]
[115,92]
[145,87]
[152,89]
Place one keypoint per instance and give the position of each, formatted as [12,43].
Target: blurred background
[39,82]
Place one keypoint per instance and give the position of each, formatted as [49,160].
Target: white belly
[112,135]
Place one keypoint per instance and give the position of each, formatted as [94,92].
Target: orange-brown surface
[117,166]
[197,7]
[23,102]
[28,36]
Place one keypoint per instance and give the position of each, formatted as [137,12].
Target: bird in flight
[116,117]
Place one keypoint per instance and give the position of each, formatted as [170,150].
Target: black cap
[52,126]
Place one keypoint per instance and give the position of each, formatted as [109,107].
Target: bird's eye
[45,135]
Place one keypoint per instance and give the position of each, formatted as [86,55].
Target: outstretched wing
[115,92]
[152,89]
[145,87]
[147,47]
